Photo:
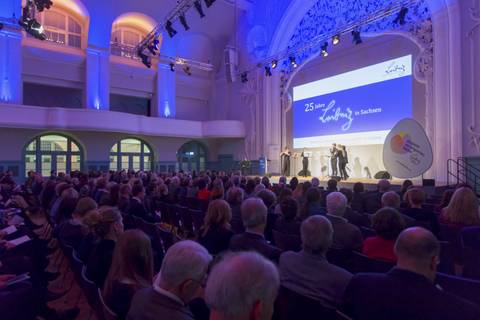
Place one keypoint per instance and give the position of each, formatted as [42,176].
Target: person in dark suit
[308,272]
[216,233]
[254,217]
[285,157]
[288,222]
[408,291]
[359,219]
[137,207]
[373,201]
[124,198]
[333,159]
[343,161]
[235,198]
[346,235]
[181,277]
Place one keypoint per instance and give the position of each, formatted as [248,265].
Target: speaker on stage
[428,182]
[383,175]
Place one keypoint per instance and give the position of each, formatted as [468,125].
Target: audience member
[359,219]
[179,281]
[407,291]
[107,226]
[345,235]
[415,198]
[308,272]
[391,199]
[235,197]
[216,233]
[242,286]
[463,209]
[387,223]
[137,206]
[312,205]
[373,201]
[358,199]
[131,270]
[254,217]
[288,221]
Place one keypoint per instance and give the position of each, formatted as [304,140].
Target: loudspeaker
[428,182]
[336,178]
[231,64]
[383,175]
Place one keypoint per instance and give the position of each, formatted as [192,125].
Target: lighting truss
[319,40]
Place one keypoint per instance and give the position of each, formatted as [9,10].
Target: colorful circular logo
[399,141]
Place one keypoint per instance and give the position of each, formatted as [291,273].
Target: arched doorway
[192,156]
[131,154]
[53,152]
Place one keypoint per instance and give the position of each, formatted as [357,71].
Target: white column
[164,104]
[11,66]
[97,84]
[273,122]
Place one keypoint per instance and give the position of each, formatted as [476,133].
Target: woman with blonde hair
[463,209]
[216,231]
[131,270]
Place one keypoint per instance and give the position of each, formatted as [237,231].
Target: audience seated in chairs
[359,219]
[216,233]
[408,290]
[288,221]
[358,197]
[131,270]
[235,197]
[308,272]
[242,286]
[179,281]
[313,203]
[463,209]
[373,201]
[391,199]
[388,224]
[107,226]
[345,235]
[254,216]
[137,206]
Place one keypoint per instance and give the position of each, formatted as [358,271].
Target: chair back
[470,239]
[362,263]
[291,305]
[186,219]
[451,234]
[107,312]
[467,289]
[91,293]
[287,242]
[197,217]
[447,258]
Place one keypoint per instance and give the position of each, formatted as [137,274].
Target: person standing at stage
[304,163]
[333,159]
[342,161]
[285,157]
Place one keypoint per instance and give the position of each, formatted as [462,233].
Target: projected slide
[354,108]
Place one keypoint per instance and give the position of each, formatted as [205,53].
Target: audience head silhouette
[391,199]
[242,286]
[254,214]
[317,235]
[336,204]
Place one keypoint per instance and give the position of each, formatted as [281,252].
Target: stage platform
[370,184]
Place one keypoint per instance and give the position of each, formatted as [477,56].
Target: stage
[370,184]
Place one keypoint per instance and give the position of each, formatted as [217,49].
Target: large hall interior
[239,159]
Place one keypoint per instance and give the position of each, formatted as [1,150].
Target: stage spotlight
[209,3]
[172,66]
[183,21]
[274,64]
[244,77]
[293,62]
[357,39]
[43,4]
[187,70]
[171,31]
[400,19]
[336,39]
[325,50]
[33,27]
[146,60]
[268,71]
[153,47]
[199,8]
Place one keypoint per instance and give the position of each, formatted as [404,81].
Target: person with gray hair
[346,235]
[242,286]
[315,182]
[407,291]
[373,200]
[254,217]
[179,281]
[308,272]
[391,199]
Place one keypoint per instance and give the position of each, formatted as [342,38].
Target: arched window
[53,153]
[192,156]
[124,40]
[131,154]
[61,27]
